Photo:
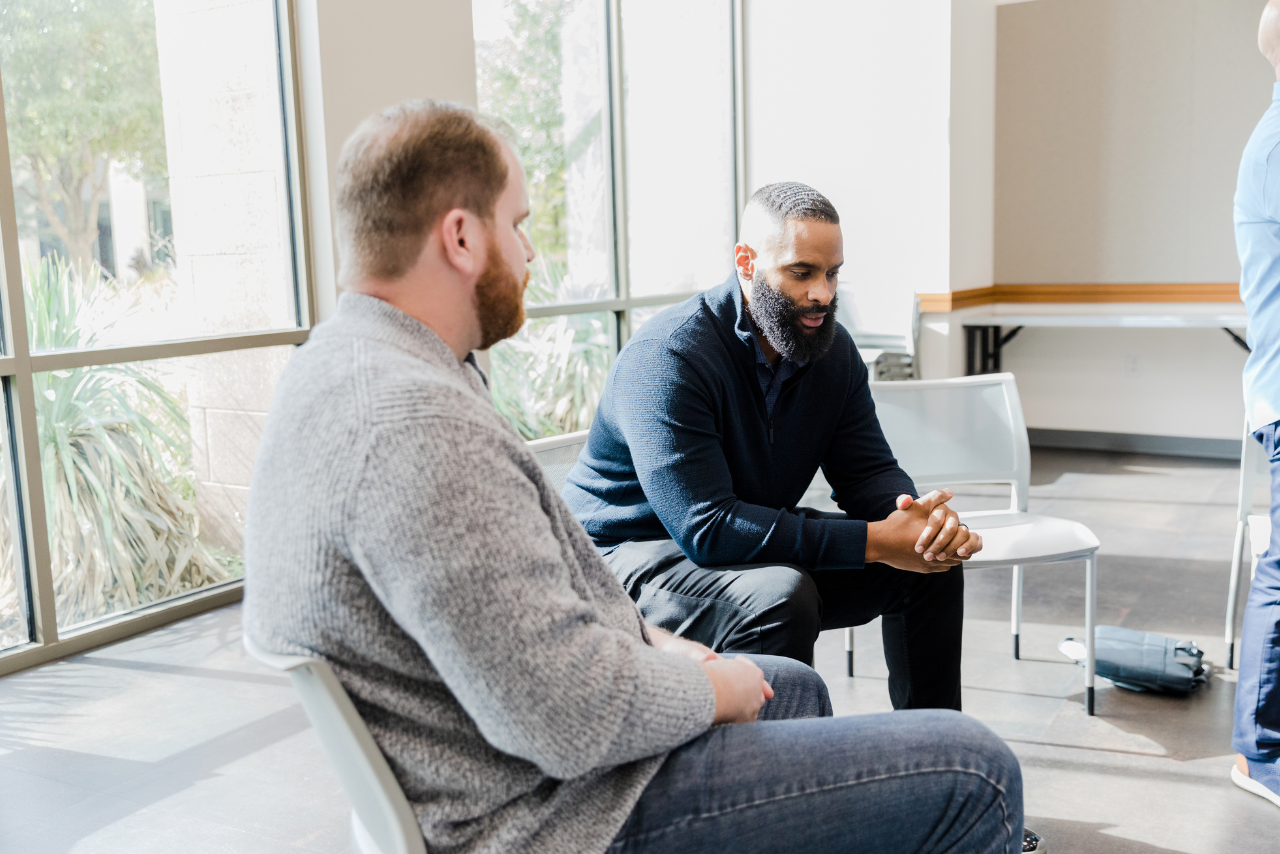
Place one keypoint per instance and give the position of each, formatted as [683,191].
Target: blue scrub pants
[1257,725]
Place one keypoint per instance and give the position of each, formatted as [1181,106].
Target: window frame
[18,366]
[313,271]
[623,304]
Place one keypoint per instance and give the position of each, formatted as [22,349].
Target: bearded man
[713,423]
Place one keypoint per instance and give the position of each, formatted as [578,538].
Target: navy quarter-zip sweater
[682,447]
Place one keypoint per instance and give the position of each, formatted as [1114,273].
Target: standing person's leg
[922,625]
[758,609]
[919,781]
[1257,710]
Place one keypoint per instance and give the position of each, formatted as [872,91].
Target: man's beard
[777,316]
[499,299]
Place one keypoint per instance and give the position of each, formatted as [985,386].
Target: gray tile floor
[175,741]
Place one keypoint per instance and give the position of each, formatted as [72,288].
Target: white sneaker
[1251,785]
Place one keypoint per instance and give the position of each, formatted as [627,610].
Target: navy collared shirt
[678,448]
[770,378]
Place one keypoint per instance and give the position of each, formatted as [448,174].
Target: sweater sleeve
[865,477]
[455,541]
[663,407]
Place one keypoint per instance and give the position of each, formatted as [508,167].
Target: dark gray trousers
[769,609]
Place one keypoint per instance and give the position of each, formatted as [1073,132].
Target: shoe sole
[1250,785]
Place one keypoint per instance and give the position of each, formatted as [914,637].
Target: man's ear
[462,240]
[744,258]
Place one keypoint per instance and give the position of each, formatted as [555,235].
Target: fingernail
[963,551]
[929,556]
[942,555]
[919,549]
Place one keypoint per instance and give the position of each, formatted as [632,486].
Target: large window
[153,290]
[625,115]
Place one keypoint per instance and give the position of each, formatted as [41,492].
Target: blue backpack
[1142,661]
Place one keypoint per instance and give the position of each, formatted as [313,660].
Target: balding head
[1269,34]
[764,219]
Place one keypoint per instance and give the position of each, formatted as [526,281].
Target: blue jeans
[909,781]
[1257,726]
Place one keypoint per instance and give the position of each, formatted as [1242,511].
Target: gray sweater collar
[369,317]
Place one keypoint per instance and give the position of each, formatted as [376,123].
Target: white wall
[852,97]
[973,120]
[358,58]
[1118,135]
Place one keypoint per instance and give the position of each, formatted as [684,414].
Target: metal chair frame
[382,821]
[1018,477]
[1252,530]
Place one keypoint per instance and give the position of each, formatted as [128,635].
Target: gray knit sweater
[399,528]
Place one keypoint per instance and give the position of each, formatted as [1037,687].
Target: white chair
[381,820]
[971,430]
[558,455]
[1253,530]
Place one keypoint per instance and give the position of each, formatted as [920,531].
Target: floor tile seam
[183,763]
[213,674]
[90,790]
[964,687]
[179,816]
[1128,775]
[1117,753]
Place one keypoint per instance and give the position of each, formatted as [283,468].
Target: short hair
[405,168]
[793,200]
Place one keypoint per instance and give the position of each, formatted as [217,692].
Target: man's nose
[822,294]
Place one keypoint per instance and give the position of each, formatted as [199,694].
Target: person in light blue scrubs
[1256,737]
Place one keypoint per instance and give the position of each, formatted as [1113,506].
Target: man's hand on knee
[740,687]
[667,642]
[923,535]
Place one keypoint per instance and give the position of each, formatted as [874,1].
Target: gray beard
[777,317]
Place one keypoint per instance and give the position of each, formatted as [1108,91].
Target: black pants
[779,609]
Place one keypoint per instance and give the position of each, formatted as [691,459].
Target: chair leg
[1015,616]
[1090,609]
[1233,590]
[848,650]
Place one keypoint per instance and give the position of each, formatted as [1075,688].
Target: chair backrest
[1255,468]
[558,455]
[384,816]
[959,431]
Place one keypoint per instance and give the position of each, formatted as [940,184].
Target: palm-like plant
[13,621]
[548,379]
[122,530]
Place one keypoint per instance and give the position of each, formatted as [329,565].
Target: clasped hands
[922,535]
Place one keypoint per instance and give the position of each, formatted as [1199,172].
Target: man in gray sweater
[400,529]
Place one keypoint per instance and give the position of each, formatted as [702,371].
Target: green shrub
[123,531]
